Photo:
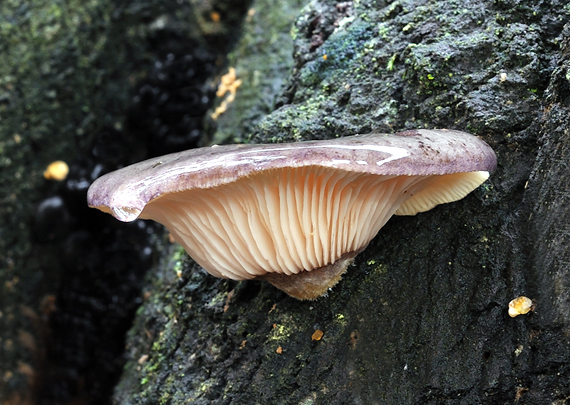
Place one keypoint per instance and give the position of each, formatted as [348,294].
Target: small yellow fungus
[215,16]
[57,170]
[279,350]
[318,335]
[520,306]
[228,83]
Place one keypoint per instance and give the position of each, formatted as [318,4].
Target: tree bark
[422,316]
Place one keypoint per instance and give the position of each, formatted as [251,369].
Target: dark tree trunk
[422,316]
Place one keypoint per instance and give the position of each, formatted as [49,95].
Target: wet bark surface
[421,317]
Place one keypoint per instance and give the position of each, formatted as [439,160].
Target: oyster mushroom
[294,214]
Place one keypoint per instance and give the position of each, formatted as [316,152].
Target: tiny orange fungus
[318,335]
[57,170]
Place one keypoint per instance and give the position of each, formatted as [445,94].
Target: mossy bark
[422,315]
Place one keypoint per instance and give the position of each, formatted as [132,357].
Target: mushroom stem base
[310,285]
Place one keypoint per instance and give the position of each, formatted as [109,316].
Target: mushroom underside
[282,223]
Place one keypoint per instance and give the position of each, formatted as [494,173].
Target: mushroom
[520,306]
[294,214]
[57,170]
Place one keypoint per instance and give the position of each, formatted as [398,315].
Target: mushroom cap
[301,209]
[125,192]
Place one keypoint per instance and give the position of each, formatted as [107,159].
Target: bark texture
[422,315]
